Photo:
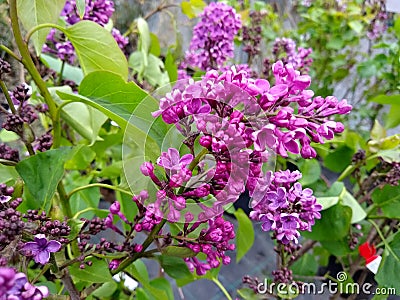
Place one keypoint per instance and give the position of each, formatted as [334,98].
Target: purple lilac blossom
[285,207]
[41,248]
[284,118]
[212,42]
[15,286]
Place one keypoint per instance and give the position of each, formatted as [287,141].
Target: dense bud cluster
[8,153]
[44,142]
[251,34]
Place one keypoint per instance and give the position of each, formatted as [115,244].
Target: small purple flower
[172,160]
[41,248]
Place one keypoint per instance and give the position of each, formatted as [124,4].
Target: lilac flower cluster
[284,49]
[284,118]
[213,241]
[378,25]
[284,207]
[8,153]
[5,67]
[212,42]
[44,142]
[98,11]
[252,34]
[15,286]
[25,112]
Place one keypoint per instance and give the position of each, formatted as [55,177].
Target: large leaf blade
[36,12]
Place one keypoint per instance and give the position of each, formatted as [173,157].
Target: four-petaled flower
[41,248]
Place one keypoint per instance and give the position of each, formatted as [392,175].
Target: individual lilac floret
[286,208]
[212,42]
[41,248]
[15,286]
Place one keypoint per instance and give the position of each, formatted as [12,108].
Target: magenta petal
[54,246]
[186,159]
[263,85]
[173,156]
[279,90]
[42,257]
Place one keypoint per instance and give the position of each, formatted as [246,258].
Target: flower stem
[103,185]
[9,101]
[31,68]
[222,288]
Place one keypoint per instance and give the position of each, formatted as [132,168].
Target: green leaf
[386,99]
[307,265]
[327,202]
[311,170]
[174,266]
[32,13]
[248,294]
[244,235]
[141,294]
[81,7]
[110,94]
[155,45]
[390,155]
[358,213]
[106,290]
[163,284]
[152,70]
[85,120]
[367,69]
[156,291]
[178,251]
[97,49]
[393,117]
[70,72]
[388,271]
[82,158]
[171,68]
[356,25]
[338,248]
[339,159]
[397,27]
[335,220]
[378,132]
[388,199]
[188,10]
[7,173]
[98,272]
[42,173]
[85,198]
[144,32]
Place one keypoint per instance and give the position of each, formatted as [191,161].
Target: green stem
[222,288]
[384,240]
[65,205]
[9,101]
[350,169]
[9,52]
[61,73]
[41,26]
[31,68]
[103,185]
[145,245]
[86,210]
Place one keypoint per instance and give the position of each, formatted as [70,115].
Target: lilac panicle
[212,42]
[285,207]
